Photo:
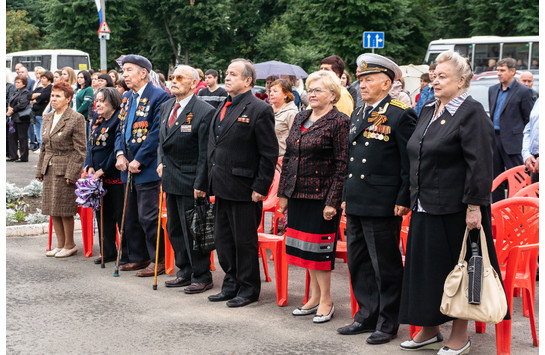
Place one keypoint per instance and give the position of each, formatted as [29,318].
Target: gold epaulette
[400,104]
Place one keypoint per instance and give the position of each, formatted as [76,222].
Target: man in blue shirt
[510,105]
[530,144]
[427,93]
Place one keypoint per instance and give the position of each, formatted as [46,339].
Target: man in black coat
[510,105]
[181,163]
[376,195]
[242,153]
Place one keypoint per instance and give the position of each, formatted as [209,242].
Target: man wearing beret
[242,153]
[136,149]
[376,196]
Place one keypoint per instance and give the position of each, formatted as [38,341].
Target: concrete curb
[28,230]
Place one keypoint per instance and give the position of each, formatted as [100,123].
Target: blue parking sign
[373,39]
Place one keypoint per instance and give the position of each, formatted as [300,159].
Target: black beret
[138,60]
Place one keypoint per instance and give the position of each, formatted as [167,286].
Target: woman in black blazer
[18,102]
[310,187]
[100,162]
[450,155]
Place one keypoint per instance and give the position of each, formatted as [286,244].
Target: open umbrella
[274,67]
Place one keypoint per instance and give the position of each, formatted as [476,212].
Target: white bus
[49,59]
[480,49]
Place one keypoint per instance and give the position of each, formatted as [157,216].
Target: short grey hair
[461,65]
[193,71]
[111,95]
[249,69]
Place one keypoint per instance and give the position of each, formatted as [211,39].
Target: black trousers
[141,222]
[19,141]
[235,235]
[112,216]
[193,264]
[376,270]
[502,162]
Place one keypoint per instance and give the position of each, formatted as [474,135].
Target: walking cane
[102,266]
[158,236]
[116,271]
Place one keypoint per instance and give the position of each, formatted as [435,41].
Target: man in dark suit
[376,195]
[137,138]
[242,153]
[510,105]
[185,121]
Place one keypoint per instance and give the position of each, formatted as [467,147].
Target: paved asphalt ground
[71,306]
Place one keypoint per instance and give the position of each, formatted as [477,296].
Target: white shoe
[305,312]
[445,350]
[53,252]
[434,343]
[64,253]
[324,318]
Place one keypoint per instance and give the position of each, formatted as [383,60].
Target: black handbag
[200,224]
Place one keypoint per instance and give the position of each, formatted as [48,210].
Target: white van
[49,59]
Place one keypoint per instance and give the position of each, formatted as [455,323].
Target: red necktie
[224,109]
[174,115]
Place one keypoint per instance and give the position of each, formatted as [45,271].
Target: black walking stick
[102,266]
[116,271]
[158,236]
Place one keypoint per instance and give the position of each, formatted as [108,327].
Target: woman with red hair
[60,165]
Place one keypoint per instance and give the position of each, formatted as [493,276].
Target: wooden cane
[102,266]
[116,271]
[158,236]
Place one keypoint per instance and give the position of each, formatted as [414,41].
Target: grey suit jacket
[183,147]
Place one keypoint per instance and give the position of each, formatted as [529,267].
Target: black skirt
[310,239]
[433,247]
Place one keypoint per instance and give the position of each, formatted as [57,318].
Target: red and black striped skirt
[310,239]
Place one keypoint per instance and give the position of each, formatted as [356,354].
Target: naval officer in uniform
[375,197]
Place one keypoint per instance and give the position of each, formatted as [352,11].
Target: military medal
[189,118]
[98,143]
[103,144]
[380,136]
[144,138]
[133,140]
[386,138]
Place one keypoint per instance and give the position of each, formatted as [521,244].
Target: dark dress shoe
[220,297]
[240,301]
[21,161]
[178,282]
[106,260]
[149,271]
[134,266]
[355,328]
[379,337]
[198,287]
[11,159]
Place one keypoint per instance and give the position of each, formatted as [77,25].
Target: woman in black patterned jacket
[310,187]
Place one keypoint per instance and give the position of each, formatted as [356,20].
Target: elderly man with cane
[136,151]
[183,144]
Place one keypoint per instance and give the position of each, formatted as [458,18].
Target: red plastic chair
[529,191]
[516,179]
[86,218]
[517,248]
[277,245]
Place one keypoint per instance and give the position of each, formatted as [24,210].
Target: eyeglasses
[177,77]
[316,91]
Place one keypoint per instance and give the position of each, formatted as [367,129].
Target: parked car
[481,82]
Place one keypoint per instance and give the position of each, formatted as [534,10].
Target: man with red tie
[181,158]
[242,153]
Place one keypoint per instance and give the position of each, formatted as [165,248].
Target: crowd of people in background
[362,147]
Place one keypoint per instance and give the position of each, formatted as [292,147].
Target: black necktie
[367,111]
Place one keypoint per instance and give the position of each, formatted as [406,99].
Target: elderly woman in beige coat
[60,165]
[281,98]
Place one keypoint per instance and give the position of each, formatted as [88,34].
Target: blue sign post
[373,40]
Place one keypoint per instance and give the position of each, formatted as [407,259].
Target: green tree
[20,34]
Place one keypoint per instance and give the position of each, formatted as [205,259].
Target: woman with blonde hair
[310,188]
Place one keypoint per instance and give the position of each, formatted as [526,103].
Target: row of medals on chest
[378,130]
